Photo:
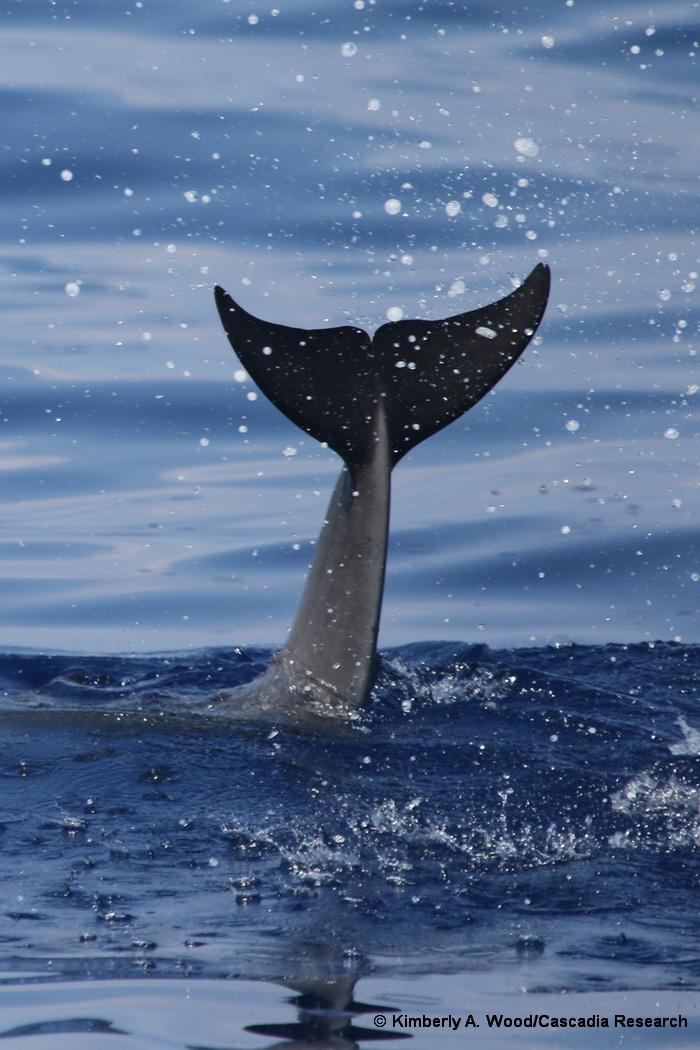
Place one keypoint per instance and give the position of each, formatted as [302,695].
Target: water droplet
[526,147]
[490,200]
[67,175]
[72,289]
[348,49]
[394,313]
[547,41]
[392,206]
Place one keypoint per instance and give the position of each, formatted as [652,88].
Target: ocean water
[523,822]
[518,808]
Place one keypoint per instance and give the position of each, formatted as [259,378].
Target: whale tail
[371,400]
[425,374]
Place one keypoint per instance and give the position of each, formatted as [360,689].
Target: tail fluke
[372,401]
[329,381]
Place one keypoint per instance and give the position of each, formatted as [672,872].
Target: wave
[483,796]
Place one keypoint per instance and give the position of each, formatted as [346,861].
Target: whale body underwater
[371,400]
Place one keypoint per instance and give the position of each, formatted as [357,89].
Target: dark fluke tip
[542,270]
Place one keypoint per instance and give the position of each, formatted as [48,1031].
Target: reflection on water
[219,1015]
[326,1014]
[73,1026]
[325,1010]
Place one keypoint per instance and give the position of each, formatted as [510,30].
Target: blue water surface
[153,150]
[526,794]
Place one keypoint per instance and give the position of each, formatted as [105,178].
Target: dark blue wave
[484,796]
